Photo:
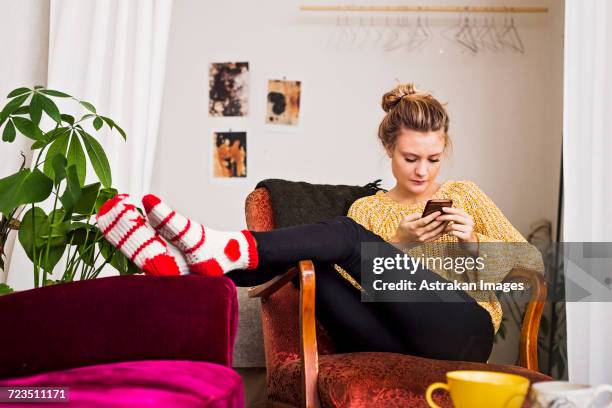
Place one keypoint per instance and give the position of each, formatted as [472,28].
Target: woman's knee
[348,236]
[350,229]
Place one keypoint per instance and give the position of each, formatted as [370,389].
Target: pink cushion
[163,383]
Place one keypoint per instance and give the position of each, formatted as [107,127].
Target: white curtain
[587,150]
[23,63]
[112,54]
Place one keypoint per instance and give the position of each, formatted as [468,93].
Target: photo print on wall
[229,89]
[229,154]
[283,102]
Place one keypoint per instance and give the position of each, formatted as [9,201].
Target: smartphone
[436,205]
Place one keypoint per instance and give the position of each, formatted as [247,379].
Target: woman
[414,133]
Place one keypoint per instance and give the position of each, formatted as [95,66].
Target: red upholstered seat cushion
[377,380]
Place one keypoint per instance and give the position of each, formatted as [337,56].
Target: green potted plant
[57,175]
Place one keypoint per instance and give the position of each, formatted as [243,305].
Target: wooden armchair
[303,370]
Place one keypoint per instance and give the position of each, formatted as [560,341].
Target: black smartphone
[436,205]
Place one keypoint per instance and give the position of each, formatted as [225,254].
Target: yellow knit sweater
[381,214]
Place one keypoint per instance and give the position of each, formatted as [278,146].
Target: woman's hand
[413,228]
[462,225]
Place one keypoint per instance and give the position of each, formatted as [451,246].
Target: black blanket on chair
[298,202]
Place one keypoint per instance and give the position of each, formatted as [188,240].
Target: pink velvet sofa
[125,341]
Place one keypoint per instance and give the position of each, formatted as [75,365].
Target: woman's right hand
[413,228]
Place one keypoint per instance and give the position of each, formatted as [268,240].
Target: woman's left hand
[462,225]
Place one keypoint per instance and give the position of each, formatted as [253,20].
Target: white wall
[506,112]
[24,28]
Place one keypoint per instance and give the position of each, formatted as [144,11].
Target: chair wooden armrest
[266,289]
[528,346]
[308,331]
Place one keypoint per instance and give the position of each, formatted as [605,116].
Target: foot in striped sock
[127,230]
[208,252]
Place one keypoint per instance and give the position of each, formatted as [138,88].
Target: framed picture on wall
[283,102]
[229,155]
[228,89]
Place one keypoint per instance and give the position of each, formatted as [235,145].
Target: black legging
[432,328]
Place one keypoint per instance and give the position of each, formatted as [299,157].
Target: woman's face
[416,159]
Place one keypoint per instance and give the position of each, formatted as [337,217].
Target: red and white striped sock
[127,230]
[208,252]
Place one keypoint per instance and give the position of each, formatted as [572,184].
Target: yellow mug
[482,389]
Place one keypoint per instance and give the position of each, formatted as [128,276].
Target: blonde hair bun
[402,91]
[409,108]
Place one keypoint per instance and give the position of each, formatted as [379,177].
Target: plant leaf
[88,106]
[5,289]
[24,110]
[77,233]
[98,159]
[49,137]
[26,186]
[38,87]
[105,195]
[121,132]
[27,128]
[58,228]
[76,156]
[12,106]
[34,225]
[97,123]
[67,118]
[72,193]
[80,225]
[59,167]
[35,109]
[8,135]
[50,108]
[55,254]
[18,91]
[89,194]
[38,144]
[55,93]
[87,254]
[114,257]
[55,218]
[105,248]
[132,268]
[108,121]
[59,146]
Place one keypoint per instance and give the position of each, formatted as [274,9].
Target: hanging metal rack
[424,9]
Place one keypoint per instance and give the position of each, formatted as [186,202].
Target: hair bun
[392,98]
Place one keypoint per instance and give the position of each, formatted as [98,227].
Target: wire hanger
[379,31]
[512,38]
[487,39]
[420,36]
[395,35]
[465,38]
